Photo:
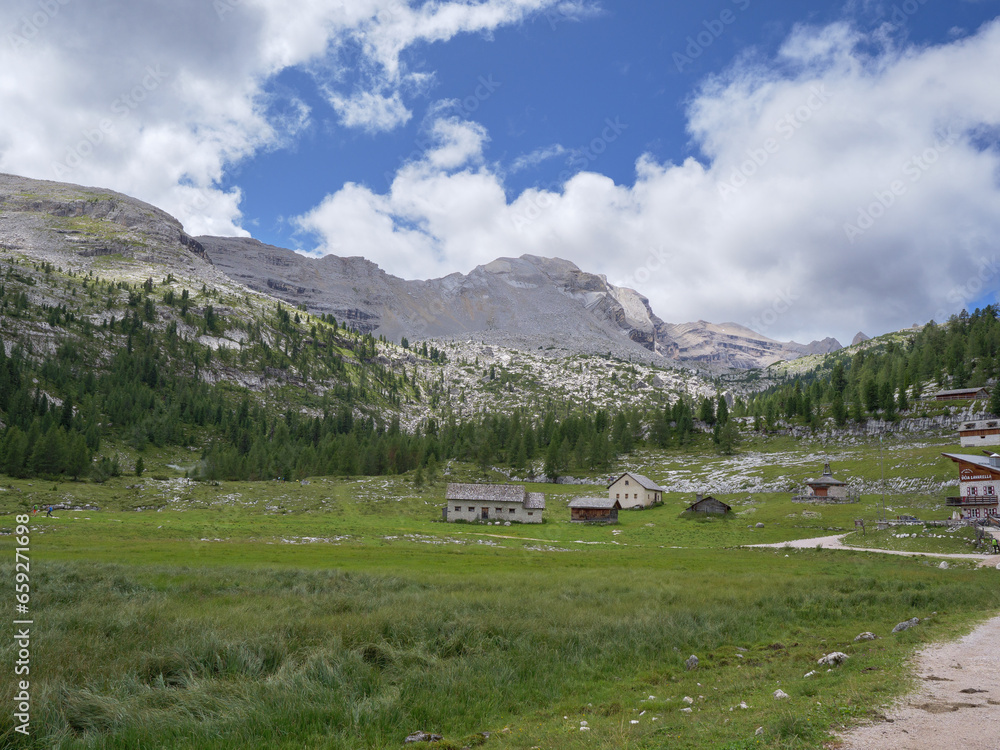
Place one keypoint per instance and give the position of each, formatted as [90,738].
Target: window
[972,491]
[626,483]
[618,496]
[991,490]
[530,513]
[458,508]
[472,510]
[511,510]
[498,510]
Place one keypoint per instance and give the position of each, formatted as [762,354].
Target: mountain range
[526,302]
[529,302]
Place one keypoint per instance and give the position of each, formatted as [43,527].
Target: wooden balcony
[976,501]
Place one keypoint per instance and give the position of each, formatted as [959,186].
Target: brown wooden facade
[594,510]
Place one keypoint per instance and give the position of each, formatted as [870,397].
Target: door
[486,514]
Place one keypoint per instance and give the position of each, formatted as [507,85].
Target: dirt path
[957,705]
[837,542]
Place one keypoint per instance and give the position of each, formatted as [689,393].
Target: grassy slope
[343,614]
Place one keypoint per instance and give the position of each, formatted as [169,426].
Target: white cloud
[371,111]
[159,99]
[536,157]
[798,151]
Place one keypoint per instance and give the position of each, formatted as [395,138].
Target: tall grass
[148,656]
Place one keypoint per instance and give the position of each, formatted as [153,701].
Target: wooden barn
[962,394]
[708,505]
[594,510]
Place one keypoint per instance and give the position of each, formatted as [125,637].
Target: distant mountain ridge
[527,303]
[530,301]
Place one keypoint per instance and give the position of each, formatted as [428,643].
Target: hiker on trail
[49,512]
[34,511]
[996,545]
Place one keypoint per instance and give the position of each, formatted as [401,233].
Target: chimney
[697,497]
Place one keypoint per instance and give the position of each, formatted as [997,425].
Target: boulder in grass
[422,737]
[691,663]
[906,625]
[833,659]
[780,695]
[866,636]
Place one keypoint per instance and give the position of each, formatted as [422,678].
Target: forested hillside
[886,377]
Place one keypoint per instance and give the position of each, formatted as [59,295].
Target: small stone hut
[827,486]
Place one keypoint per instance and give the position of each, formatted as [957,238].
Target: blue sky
[802,170]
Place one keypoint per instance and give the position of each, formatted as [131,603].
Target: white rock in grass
[688,699]
[583,723]
[906,625]
[691,663]
[634,721]
[866,636]
[833,659]
[759,732]
[584,729]
[743,705]
[943,565]
[780,695]
[810,674]
[685,710]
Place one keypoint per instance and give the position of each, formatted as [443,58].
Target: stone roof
[511,493]
[594,503]
[992,462]
[535,501]
[826,480]
[991,424]
[644,482]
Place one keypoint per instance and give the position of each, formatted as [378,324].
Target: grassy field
[345,614]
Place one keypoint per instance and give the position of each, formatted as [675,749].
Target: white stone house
[490,503]
[635,491]
[984,432]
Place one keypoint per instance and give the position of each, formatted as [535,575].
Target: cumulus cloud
[138,98]
[839,190]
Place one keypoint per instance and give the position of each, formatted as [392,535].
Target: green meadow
[344,614]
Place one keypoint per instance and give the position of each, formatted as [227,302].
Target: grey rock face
[517,302]
[906,625]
